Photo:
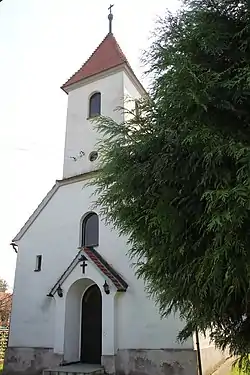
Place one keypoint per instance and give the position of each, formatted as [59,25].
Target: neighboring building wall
[80,133]
[211,357]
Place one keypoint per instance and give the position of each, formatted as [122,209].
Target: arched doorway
[91,330]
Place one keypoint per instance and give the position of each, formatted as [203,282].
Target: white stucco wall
[130,89]
[80,132]
[131,92]
[55,235]
[133,321]
[32,316]
[204,341]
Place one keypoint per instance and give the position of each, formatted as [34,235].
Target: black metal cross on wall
[84,264]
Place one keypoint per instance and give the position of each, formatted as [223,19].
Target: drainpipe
[198,352]
[14,245]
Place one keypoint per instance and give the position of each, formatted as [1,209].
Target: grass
[235,371]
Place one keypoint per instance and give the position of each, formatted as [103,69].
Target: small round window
[93,155]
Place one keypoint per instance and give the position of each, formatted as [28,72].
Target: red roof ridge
[100,60]
[106,268]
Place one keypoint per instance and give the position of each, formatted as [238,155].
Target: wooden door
[91,331]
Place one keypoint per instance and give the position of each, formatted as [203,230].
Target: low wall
[211,359]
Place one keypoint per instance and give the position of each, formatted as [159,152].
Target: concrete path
[225,368]
[77,368]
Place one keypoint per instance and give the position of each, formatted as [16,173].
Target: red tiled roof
[106,269]
[106,56]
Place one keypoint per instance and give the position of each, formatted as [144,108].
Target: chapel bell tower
[97,88]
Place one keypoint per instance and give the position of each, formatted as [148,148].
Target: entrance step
[75,369]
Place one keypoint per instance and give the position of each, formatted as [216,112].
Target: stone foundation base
[108,362]
[29,361]
[151,362]
[32,361]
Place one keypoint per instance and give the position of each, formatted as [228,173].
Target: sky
[42,43]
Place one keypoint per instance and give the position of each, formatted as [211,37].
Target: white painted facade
[130,320]
[38,320]
[81,138]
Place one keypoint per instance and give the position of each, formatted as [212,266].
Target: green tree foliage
[5,308]
[5,303]
[176,177]
[3,285]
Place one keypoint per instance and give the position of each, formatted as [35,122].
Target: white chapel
[76,299]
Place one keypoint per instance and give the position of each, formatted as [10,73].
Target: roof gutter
[14,245]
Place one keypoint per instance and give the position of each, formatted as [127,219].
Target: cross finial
[110,17]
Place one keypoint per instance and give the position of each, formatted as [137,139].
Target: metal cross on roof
[110,17]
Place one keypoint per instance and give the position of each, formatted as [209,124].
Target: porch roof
[91,255]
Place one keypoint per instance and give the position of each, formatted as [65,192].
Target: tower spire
[110,18]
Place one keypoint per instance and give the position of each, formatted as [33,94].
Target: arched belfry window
[95,104]
[90,230]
